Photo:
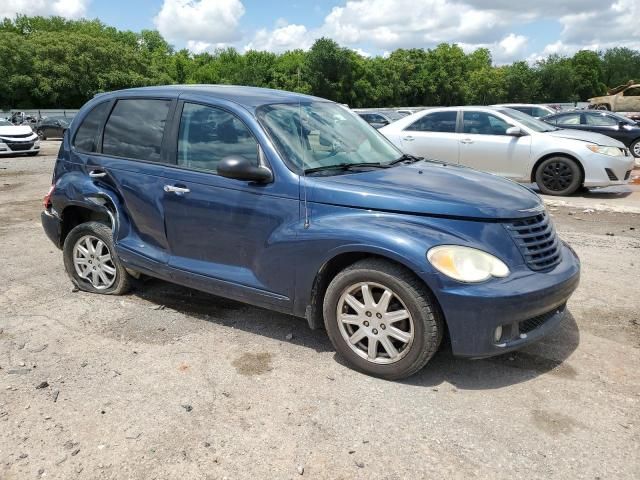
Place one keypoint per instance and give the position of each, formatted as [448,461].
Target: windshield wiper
[345,166]
[406,158]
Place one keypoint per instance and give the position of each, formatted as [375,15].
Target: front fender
[401,238]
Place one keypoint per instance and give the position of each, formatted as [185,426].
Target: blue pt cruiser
[295,204]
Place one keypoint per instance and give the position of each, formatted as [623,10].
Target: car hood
[591,137]
[13,130]
[427,188]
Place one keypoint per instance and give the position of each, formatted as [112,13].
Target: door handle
[408,139]
[97,174]
[466,140]
[175,189]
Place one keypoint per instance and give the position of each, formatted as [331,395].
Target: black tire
[41,135]
[427,325]
[122,282]
[558,176]
[603,106]
[635,148]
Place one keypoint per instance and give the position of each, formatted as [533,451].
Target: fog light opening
[497,334]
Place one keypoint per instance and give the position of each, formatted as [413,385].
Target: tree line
[58,63]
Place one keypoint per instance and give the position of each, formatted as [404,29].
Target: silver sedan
[514,145]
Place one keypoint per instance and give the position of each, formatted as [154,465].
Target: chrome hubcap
[636,149]
[92,261]
[375,323]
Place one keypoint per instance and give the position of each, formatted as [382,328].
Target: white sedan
[514,145]
[17,139]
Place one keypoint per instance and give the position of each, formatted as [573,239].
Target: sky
[511,29]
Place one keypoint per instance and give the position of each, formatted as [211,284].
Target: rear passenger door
[128,158]
[223,232]
[433,136]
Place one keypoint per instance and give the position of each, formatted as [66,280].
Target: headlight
[466,264]
[611,151]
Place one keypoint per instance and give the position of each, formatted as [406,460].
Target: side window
[86,139]
[569,119]
[552,121]
[539,112]
[632,92]
[135,129]
[366,117]
[601,120]
[483,123]
[378,118]
[209,134]
[527,110]
[435,122]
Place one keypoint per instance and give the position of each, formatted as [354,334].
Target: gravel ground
[169,382]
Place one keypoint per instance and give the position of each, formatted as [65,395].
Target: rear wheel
[381,319]
[603,106]
[91,261]
[41,135]
[558,176]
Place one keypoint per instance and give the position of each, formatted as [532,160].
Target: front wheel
[382,319]
[635,148]
[91,261]
[558,176]
[41,135]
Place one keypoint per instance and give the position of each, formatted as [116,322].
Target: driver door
[222,232]
[485,145]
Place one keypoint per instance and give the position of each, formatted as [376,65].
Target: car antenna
[304,170]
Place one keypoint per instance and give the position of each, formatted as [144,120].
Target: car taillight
[47,198]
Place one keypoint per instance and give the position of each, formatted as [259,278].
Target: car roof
[520,105]
[248,97]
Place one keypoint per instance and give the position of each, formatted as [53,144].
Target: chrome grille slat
[537,240]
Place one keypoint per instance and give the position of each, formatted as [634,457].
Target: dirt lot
[172,383]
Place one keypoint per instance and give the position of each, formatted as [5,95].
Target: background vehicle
[17,139]
[536,111]
[52,127]
[624,98]
[607,123]
[293,203]
[515,145]
[380,119]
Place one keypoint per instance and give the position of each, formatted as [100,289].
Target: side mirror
[621,124]
[240,168]
[514,132]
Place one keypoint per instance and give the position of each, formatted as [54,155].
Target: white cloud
[282,38]
[203,21]
[62,8]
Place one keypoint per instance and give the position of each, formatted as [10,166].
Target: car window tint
[632,92]
[539,112]
[86,139]
[569,119]
[601,120]
[435,122]
[378,118]
[551,120]
[526,110]
[208,134]
[135,129]
[483,123]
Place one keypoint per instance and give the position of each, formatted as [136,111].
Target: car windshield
[393,116]
[4,123]
[527,120]
[321,135]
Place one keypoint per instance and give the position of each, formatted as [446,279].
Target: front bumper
[527,304]
[596,166]
[18,147]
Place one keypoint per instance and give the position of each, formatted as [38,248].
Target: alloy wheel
[557,176]
[636,149]
[375,323]
[93,262]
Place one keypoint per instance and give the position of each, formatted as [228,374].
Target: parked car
[515,145]
[52,127]
[380,119]
[607,123]
[623,98]
[292,203]
[536,111]
[17,139]
[405,111]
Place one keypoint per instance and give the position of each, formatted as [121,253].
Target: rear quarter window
[86,139]
[135,129]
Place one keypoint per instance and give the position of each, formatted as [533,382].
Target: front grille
[531,324]
[537,240]
[627,175]
[17,147]
[611,175]
[20,135]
